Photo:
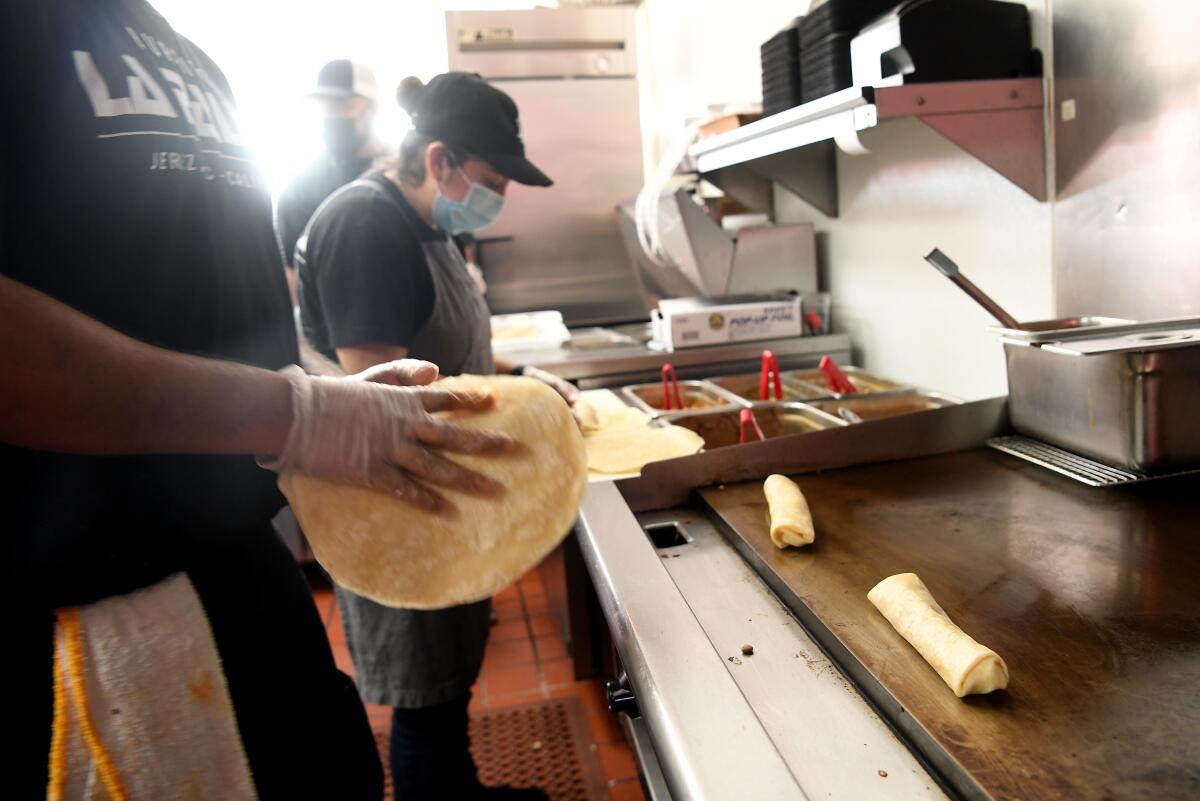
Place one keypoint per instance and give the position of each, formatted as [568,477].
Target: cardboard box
[724,124]
[688,327]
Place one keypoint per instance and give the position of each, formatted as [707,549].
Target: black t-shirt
[363,276]
[304,195]
[127,193]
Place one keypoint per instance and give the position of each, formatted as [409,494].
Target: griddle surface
[1091,596]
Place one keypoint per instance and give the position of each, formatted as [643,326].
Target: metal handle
[620,696]
[946,266]
[942,262]
[849,415]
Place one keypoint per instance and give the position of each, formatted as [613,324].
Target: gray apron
[404,657]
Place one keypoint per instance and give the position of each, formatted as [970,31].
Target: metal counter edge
[708,740]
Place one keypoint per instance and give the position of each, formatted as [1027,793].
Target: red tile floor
[525,661]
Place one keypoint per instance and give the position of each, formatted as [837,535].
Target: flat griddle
[1091,596]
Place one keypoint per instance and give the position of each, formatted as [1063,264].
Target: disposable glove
[568,391]
[357,430]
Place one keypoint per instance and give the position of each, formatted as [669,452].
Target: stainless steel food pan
[747,385]
[1063,328]
[863,381]
[696,395]
[1136,409]
[865,408]
[721,428]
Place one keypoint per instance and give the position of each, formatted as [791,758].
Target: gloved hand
[362,432]
[401,373]
[568,391]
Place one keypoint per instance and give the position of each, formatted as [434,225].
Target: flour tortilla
[602,414]
[603,399]
[629,450]
[516,331]
[791,520]
[586,416]
[398,555]
[965,665]
[598,419]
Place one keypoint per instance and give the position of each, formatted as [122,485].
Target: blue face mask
[477,210]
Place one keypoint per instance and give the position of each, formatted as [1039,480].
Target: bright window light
[270,51]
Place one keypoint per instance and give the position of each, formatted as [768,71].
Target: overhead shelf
[998,122]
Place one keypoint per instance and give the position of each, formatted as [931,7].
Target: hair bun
[409,93]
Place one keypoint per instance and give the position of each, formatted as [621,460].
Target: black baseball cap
[345,78]
[464,110]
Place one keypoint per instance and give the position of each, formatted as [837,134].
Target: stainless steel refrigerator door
[543,42]
[566,250]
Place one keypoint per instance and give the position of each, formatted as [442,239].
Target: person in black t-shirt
[143,325]
[379,278]
[347,94]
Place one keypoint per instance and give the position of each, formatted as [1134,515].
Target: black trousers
[301,720]
[430,752]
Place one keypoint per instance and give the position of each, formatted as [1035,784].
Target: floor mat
[543,744]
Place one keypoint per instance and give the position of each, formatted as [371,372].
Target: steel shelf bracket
[746,186]
[1001,123]
[809,173]
[1010,142]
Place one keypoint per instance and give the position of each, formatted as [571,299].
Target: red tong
[671,393]
[770,367]
[746,420]
[835,379]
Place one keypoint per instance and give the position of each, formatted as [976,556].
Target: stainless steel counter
[680,602]
[635,363]
[866,717]
[782,723]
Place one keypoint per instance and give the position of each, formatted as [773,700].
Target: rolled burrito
[968,667]
[791,521]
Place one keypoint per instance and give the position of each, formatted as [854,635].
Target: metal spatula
[948,268]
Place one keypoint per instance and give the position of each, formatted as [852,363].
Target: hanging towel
[141,709]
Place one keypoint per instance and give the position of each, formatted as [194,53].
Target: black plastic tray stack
[781,70]
[825,36]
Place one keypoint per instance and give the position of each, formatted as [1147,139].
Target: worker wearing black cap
[347,95]
[380,278]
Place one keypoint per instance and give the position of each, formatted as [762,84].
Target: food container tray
[1130,409]
[746,387]
[862,380]
[696,395]
[720,428]
[875,407]
[1053,330]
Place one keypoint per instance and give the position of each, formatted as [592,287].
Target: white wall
[914,191]
[694,55]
